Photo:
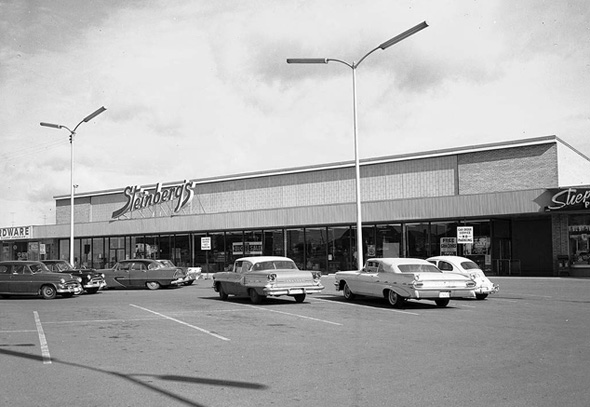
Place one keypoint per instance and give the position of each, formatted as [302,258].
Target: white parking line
[223,338]
[42,340]
[364,306]
[293,315]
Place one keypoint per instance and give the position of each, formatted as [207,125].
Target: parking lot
[525,346]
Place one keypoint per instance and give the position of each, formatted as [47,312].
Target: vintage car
[192,273]
[34,278]
[401,279]
[141,273]
[466,267]
[262,276]
[91,280]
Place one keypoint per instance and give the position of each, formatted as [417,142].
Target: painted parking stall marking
[293,315]
[362,306]
[223,338]
[42,340]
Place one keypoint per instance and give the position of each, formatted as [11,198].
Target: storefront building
[517,208]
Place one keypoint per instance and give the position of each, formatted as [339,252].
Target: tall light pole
[72,186]
[353,66]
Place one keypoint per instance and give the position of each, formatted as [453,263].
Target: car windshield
[166,263]
[62,266]
[273,265]
[469,265]
[418,268]
[38,268]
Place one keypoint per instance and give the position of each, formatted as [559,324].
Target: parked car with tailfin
[263,276]
[401,279]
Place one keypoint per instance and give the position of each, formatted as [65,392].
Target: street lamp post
[72,186]
[353,66]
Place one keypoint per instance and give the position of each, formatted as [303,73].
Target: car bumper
[70,289]
[275,291]
[180,281]
[442,294]
[487,289]
[95,284]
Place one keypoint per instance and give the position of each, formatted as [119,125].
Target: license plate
[296,291]
[444,294]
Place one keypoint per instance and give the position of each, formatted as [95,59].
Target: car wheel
[91,290]
[441,303]
[221,291]
[189,282]
[348,295]
[152,285]
[394,299]
[48,292]
[299,297]
[255,297]
[481,296]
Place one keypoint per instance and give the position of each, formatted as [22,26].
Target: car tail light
[471,284]
[417,284]
[272,278]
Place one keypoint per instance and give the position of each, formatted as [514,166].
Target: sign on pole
[465,234]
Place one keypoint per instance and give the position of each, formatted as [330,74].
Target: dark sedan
[34,278]
[141,273]
[91,280]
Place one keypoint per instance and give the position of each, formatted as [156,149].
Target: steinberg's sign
[570,198]
[21,232]
[139,198]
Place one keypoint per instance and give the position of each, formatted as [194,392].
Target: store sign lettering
[21,232]
[139,198]
[570,198]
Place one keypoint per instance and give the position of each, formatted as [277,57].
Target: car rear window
[273,265]
[418,268]
[469,265]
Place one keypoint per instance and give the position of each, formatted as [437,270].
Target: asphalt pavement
[524,346]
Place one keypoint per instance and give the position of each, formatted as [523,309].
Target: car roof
[450,258]
[394,261]
[258,259]
[20,262]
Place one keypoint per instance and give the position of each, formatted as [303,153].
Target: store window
[388,241]
[200,256]
[85,258]
[116,250]
[443,239]
[165,248]
[234,241]
[480,250]
[296,246]
[182,251]
[418,240]
[316,246]
[273,243]
[98,254]
[64,249]
[340,249]
[218,252]
[253,243]
[579,232]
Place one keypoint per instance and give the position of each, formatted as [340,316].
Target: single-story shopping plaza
[519,207]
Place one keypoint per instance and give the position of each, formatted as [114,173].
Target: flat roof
[349,163]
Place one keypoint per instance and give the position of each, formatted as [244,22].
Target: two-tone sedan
[263,276]
[192,273]
[142,273]
[34,278]
[91,281]
[466,267]
[401,279]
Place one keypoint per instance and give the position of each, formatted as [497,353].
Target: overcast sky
[197,89]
